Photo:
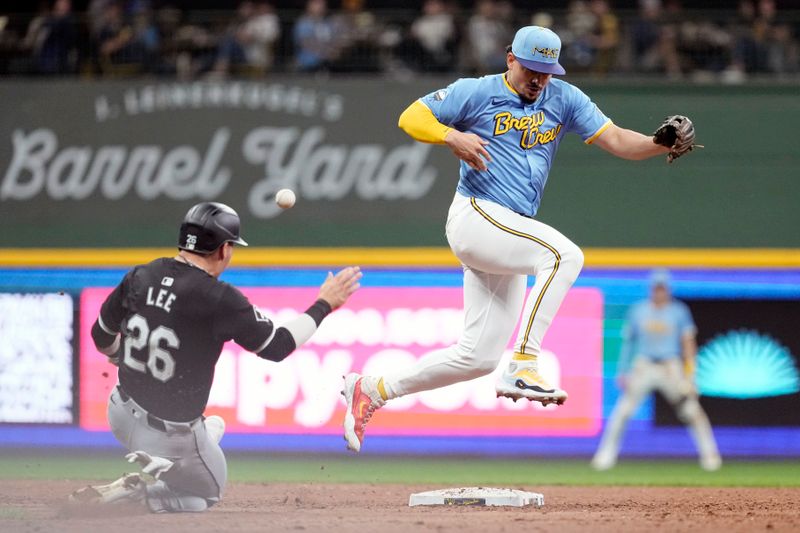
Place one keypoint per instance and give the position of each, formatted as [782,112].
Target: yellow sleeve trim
[421,124]
[599,132]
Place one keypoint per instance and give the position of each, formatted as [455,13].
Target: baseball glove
[677,134]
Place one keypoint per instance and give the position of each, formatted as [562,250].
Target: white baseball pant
[498,249]
[668,378]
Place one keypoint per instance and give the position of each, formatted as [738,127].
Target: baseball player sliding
[659,339]
[506,129]
[164,326]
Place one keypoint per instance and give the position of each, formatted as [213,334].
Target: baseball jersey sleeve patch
[260,317]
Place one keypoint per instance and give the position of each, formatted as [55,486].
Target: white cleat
[128,488]
[711,463]
[215,427]
[525,382]
[602,462]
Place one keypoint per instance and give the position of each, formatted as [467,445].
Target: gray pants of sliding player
[196,480]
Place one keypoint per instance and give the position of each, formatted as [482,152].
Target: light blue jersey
[523,137]
[655,332]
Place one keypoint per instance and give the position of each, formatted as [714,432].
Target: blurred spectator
[605,36]
[646,36]
[51,39]
[762,42]
[543,19]
[154,36]
[260,34]
[672,22]
[433,38]
[654,40]
[314,38]
[577,38]
[95,13]
[251,39]
[505,12]
[167,21]
[702,44]
[146,42]
[112,35]
[33,35]
[783,50]
[8,42]
[357,39]
[229,49]
[193,47]
[699,46]
[487,36]
[126,45]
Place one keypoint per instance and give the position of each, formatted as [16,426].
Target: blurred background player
[658,354]
[505,130]
[164,326]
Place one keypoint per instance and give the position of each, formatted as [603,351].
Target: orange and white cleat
[363,399]
[523,381]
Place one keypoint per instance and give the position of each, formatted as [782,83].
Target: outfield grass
[425,470]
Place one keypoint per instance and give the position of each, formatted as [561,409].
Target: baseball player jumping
[505,129]
[658,353]
[164,326]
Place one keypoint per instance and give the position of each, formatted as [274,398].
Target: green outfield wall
[116,164]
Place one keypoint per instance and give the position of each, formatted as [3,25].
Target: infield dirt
[31,506]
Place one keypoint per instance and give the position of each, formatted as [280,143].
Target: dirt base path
[36,506]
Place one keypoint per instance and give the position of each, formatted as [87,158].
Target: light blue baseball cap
[537,49]
[660,276]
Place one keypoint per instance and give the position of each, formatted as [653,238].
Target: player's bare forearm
[629,144]
[105,340]
[111,349]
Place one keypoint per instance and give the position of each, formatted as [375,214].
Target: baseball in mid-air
[285,198]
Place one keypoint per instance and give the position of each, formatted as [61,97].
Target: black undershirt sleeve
[319,310]
[283,343]
[279,348]
[240,320]
[100,337]
[111,313]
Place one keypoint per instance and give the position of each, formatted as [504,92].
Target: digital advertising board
[381,330]
[36,358]
[748,362]
[54,385]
